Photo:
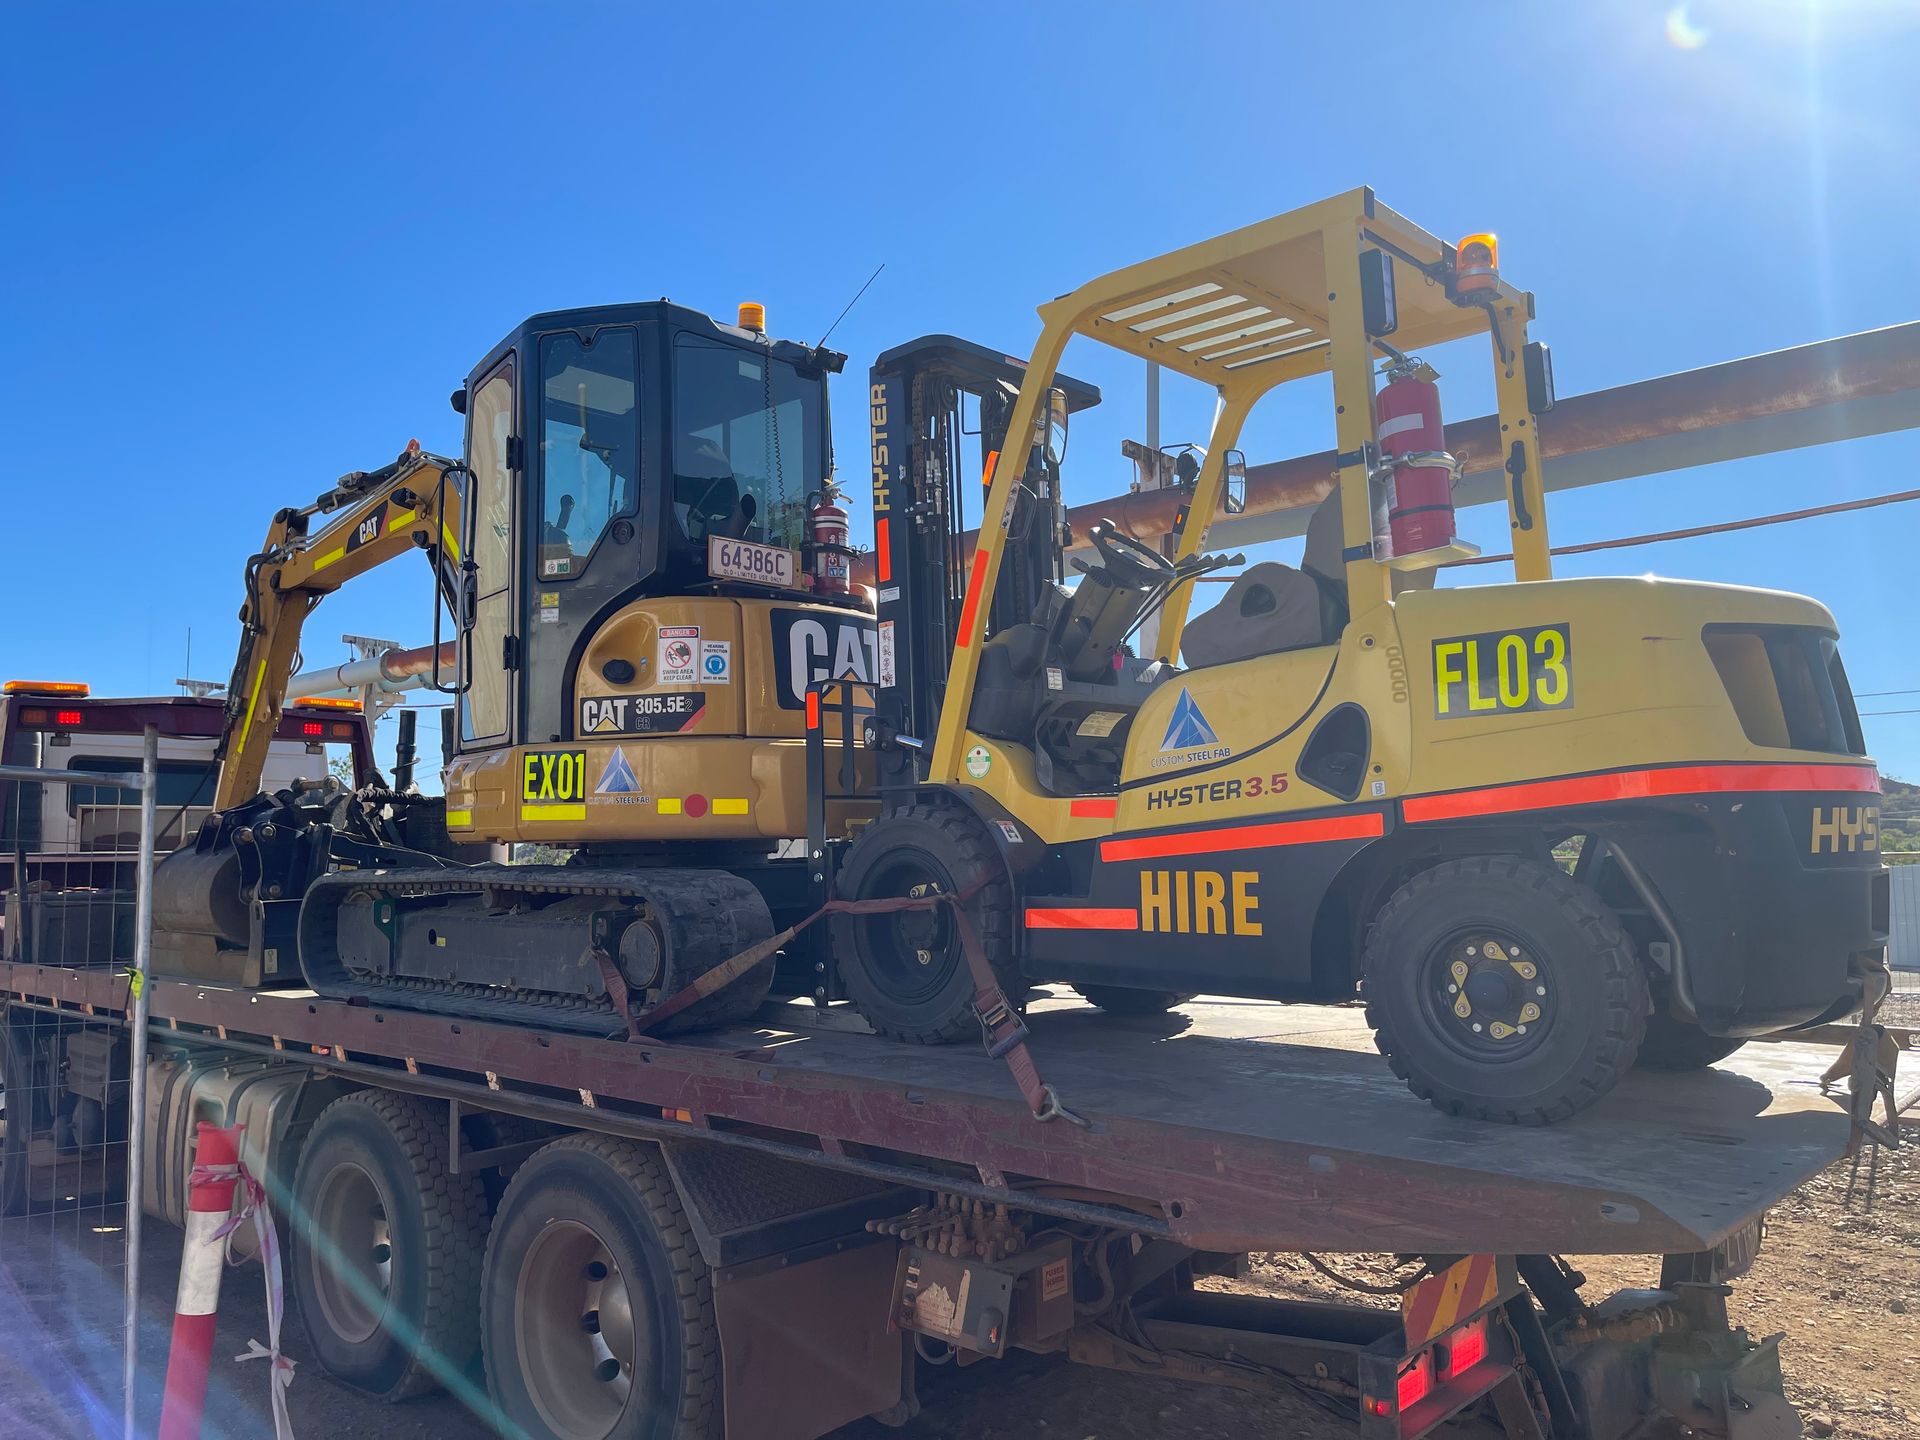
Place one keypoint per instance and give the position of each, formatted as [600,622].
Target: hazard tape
[1440,1302]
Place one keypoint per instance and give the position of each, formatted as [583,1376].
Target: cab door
[489,640]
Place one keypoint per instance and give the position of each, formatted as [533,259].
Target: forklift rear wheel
[906,972]
[1119,1000]
[597,1309]
[386,1247]
[1677,1045]
[1501,989]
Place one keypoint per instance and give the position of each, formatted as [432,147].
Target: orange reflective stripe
[883,551]
[974,582]
[1083,919]
[1248,837]
[1094,809]
[1639,785]
[813,709]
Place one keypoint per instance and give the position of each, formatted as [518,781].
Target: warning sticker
[679,655]
[1100,722]
[886,679]
[716,662]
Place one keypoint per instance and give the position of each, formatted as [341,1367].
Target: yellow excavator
[1337,779]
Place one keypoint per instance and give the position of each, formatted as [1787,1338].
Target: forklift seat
[1268,608]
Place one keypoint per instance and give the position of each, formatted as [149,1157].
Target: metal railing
[70,1112]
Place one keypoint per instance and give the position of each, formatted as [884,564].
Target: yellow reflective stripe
[453,546]
[553,812]
[731,807]
[330,557]
[405,517]
[252,700]
[459,817]
[666,806]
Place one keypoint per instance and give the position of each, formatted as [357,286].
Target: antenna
[851,303]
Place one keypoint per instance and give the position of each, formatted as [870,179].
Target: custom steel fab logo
[1503,672]
[1844,830]
[1189,738]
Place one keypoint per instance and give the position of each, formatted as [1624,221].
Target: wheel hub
[1492,993]
[579,1342]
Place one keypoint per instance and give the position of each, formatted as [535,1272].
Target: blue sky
[250,247]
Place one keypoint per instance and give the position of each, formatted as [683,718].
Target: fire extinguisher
[1421,472]
[831,556]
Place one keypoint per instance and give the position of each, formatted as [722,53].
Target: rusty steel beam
[1857,385]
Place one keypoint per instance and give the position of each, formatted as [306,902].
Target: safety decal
[1503,672]
[716,662]
[979,762]
[679,655]
[661,712]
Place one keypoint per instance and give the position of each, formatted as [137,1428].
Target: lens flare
[1682,33]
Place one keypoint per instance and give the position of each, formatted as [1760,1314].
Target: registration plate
[756,564]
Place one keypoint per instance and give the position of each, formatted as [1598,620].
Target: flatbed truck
[763,1230]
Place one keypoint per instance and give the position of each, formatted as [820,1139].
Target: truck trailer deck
[827,1174]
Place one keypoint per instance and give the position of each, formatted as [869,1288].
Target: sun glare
[1682,33]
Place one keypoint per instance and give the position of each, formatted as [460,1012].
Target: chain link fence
[77,842]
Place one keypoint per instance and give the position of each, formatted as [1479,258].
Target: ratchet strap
[1003,1032]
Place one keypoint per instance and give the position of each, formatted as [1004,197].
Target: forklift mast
[939,410]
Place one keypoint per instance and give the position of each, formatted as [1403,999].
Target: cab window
[483,708]
[747,444]
[589,444]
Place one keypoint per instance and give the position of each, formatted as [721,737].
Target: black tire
[1119,1000]
[1586,1024]
[374,1173]
[1675,1046]
[582,1212]
[906,973]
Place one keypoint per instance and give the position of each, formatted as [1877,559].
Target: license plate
[756,564]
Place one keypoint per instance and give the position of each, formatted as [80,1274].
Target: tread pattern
[991,909]
[1625,985]
[642,1171]
[453,1212]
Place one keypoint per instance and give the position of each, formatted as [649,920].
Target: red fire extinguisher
[1420,486]
[831,555]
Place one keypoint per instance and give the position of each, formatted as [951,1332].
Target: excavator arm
[411,504]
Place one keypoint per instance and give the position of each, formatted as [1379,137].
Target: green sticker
[979,761]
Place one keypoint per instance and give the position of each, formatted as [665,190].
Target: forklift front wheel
[1502,989]
[905,971]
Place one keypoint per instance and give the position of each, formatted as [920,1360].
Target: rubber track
[453,1212]
[547,1009]
[644,1174]
[1625,983]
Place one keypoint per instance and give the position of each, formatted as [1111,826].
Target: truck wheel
[596,1310]
[1119,1000]
[1502,989]
[386,1246]
[1676,1045]
[906,972]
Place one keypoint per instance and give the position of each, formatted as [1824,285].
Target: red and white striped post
[210,1200]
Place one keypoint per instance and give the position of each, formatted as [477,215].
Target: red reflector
[313,728]
[813,709]
[1378,1407]
[1466,1348]
[1415,1381]
[68,717]
[695,805]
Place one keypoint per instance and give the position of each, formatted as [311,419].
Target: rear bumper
[1781,903]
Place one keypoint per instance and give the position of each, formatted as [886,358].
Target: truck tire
[386,1251]
[596,1307]
[1504,990]
[906,972]
[1119,1000]
[1675,1045]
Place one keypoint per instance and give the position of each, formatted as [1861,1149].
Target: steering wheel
[1135,564]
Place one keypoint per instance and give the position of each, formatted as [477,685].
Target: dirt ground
[1842,1281]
